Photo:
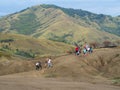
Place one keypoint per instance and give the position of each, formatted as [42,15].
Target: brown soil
[24,83]
[69,72]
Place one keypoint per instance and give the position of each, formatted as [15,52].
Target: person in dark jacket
[38,65]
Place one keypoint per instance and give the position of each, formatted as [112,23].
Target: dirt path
[22,83]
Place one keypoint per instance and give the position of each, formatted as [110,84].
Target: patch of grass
[51,75]
[25,54]
[26,24]
[116,81]
[62,38]
[5,54]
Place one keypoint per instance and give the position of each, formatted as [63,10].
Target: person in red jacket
[76,50]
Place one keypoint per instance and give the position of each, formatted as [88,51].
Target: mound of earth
[69,72]
[102,62]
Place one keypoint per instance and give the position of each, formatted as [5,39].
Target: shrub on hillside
[25,54]
[94,44]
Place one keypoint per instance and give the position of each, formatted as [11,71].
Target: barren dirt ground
[33,80]
[38,83]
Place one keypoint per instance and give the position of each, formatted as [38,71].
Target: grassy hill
[30,47]
[99,21]
[61,24]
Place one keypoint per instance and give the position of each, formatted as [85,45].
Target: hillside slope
[101,63]
[56,24]
[99,70]
[30,47]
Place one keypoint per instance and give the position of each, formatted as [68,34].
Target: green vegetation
[7,40]
[5,54]
[25,54]
[60,38]
[6,47]
[116,81]
[25,46]
[106,22]
[27,24]
[66,25]
[49,6]
[50,75]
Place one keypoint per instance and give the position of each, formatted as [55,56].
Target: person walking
[76,50]
[38,65]
[49,63]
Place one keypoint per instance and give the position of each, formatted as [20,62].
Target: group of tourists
[85,50]
[47,64]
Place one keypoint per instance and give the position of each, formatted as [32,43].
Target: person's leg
[36,67]
[40,66]
[76,52]
[50,64]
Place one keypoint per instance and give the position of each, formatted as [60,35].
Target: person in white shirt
[49,63]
